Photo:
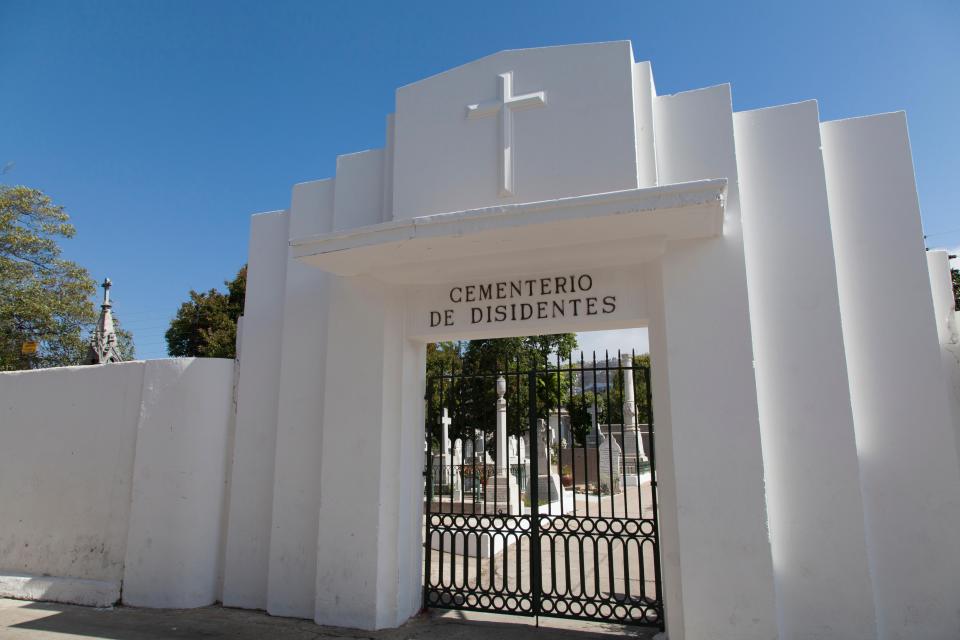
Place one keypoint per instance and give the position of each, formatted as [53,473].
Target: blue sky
[161,126]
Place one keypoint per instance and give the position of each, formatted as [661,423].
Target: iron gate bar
[575,538]
[535,485]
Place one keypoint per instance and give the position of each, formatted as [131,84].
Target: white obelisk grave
[632,438]
[502,493]
[503,448]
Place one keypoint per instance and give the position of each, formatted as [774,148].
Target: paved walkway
[21,620]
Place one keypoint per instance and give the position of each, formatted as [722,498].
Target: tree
[471,393]
[206,325]
[43,298]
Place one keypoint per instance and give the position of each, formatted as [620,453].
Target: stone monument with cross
[442,461]
[103,340]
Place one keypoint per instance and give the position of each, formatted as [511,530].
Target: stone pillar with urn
[502,491]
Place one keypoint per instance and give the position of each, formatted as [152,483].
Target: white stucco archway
[395,286]
[541,162]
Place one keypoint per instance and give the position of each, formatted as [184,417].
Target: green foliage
[43,298]
[612,397]
[125,344]
[578,408]
[471,396]
[206,325]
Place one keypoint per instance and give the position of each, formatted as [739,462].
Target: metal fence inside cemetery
[540,491]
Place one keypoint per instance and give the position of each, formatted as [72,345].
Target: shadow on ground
[20,620]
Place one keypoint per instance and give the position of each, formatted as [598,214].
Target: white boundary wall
[115,476]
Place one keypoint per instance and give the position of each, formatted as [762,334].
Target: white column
[293,534]
[371,485]
[817,532]
[908,464]
[503,444]
[179,484]
[630,407]
[719,564]
[258,389]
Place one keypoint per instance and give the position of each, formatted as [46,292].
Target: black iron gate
[557,518]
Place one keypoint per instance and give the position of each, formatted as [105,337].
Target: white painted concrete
[908,464]
[358,198]
[66,463]
[91,593]
[296,483]
[613,301]
[114,477]
[643,95]
[493,235]
[372,445]
[258,391]
[709,399]
[806,423]
[179,484]
[447,162]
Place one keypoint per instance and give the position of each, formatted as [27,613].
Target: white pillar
[630,406]
[908,464]
[247,556]
[817,533]
[293,533]
[718,574]
[371,485]
[503,445]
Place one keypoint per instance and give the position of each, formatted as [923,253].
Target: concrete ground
[23,620]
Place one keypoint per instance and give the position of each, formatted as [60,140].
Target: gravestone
[610,472]
[457,469]
[548,482]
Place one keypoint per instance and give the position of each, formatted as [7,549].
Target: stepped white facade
[807,455]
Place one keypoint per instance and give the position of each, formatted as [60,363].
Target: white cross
[446,421]
[505,104]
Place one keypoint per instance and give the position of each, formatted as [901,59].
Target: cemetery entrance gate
[540,492]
